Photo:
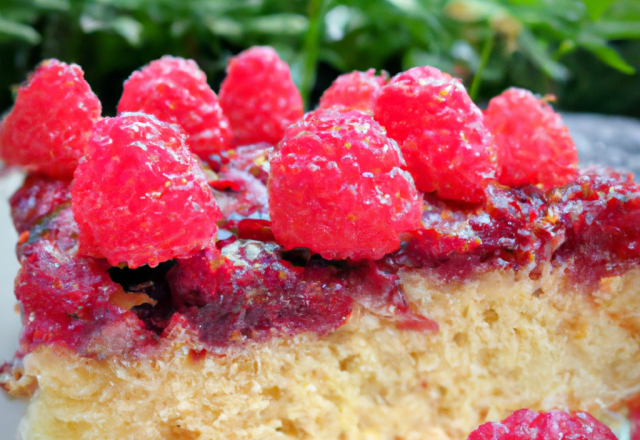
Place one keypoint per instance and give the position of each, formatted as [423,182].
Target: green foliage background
[587,52]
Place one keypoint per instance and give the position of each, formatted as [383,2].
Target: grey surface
[608,140]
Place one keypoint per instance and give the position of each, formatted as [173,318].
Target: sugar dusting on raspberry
[336,187]
[533,146]
[440,132]
[353,91]
[48,128]
[526,424]
[140,197]
[259,96]
[175,90]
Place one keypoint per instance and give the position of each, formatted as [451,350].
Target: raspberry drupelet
[175,90]
[353,91]
[440,132]
[336,187]
[259,96]
[140,197]
[48,128]
[533,146]
[526,424]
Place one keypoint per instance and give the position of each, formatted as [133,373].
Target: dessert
[38,130]
[440,132]
[339,300]
[176,91]
[259,97]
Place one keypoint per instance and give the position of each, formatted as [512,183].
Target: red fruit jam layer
[248,288]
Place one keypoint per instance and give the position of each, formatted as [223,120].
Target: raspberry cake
[396,264]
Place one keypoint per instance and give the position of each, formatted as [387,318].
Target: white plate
[10,410]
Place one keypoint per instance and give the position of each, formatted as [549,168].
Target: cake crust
[505,342]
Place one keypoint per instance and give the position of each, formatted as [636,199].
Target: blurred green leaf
[416,57]
[309,56]
[471,10]
[128,28]
[617,30]
[225,27]
[536,41]
[624,10]
[597,7]
[278,24]
[608,55]
[58,5]
[539,55]
[20,31]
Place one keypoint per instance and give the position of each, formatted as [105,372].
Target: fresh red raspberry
[526,424]
[259,96]
[38,196]
[336,187]
[533,146]
[440,132]
[140,197]
[50,123]
[353,91]
[175,90]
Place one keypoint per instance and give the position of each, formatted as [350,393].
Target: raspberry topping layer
[175,90]
[526,424]
[139,196]
[532,144]
[250,292]
[259,96]
[440,132]
[38,196]
[336,187]
[78,311]
[51,121]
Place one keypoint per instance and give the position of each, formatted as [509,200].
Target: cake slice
[406,282]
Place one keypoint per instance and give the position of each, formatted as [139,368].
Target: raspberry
[336,187]
[259,96]
[440,132]
[353,91]
[140,197]
[38,196]
[533,146]
[175,90]
[50,123]
[526,424]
